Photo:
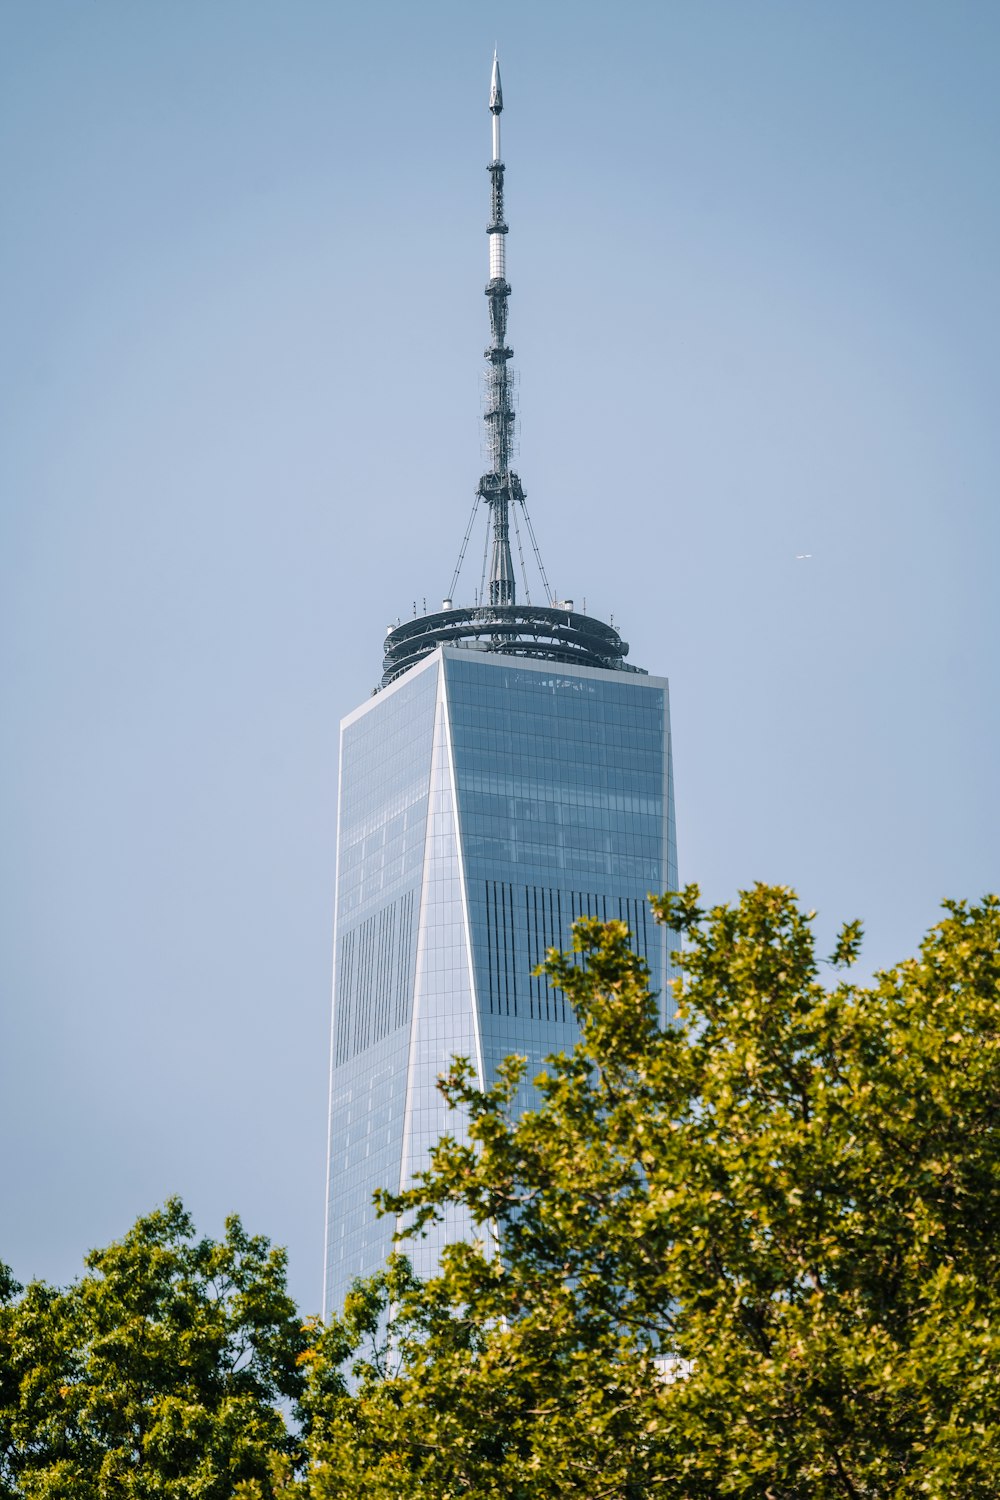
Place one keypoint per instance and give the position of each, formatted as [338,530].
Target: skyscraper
[511,774]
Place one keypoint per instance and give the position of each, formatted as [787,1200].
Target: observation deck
[543,632]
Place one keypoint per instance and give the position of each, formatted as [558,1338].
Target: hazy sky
[755,258]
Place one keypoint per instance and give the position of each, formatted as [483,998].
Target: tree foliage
[753,1255]
[160,1373]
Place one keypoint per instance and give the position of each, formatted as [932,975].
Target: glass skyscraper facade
[486,800]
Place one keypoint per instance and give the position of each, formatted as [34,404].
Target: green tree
[163,1372]
[753,1255]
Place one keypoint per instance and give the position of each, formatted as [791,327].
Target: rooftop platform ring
[541,632]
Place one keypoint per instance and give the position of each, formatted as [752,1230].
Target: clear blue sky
[755,257]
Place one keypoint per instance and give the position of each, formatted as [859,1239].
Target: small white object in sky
[801,556]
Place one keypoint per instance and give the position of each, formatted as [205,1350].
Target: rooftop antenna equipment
[500,488]
[552,631]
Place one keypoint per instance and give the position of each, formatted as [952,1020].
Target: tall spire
[500,488]
[552,631]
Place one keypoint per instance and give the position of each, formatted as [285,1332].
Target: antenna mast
[500,488]
[495,621]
